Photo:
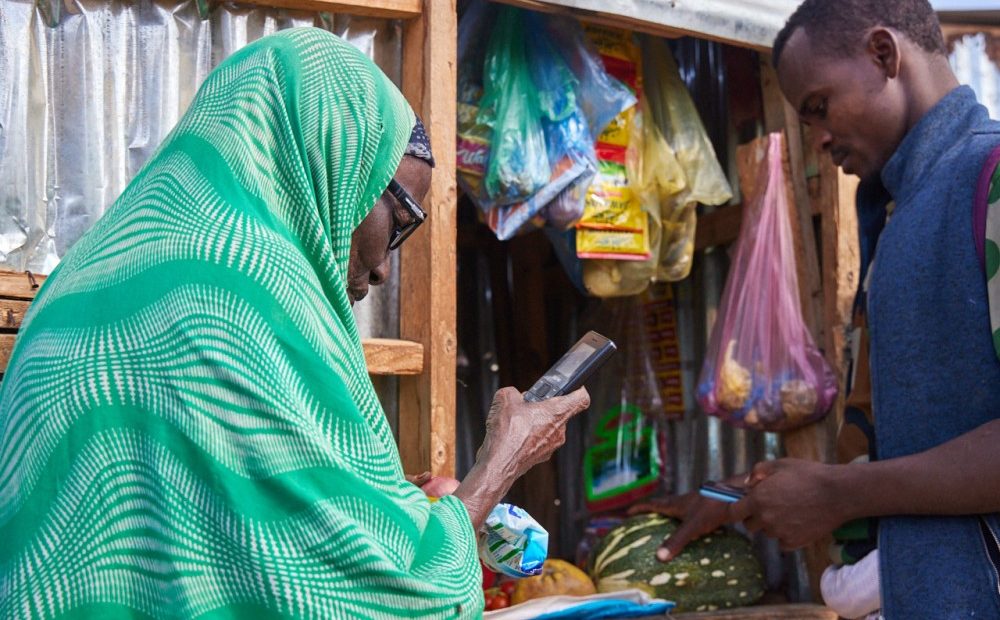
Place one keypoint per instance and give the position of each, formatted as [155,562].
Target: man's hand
[793,501]
[699,516]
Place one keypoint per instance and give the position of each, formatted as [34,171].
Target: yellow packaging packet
[612,244]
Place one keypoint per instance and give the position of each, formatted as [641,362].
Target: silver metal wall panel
[89,89]
[973,66]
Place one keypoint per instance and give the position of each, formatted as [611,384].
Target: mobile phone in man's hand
[720,491]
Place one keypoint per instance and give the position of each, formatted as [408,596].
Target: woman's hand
[519,435]
[522,434]
[699,516]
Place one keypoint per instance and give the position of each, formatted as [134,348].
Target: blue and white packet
[512,543]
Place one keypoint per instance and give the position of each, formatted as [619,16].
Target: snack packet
[512,543]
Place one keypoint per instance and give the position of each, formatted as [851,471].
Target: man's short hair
[837,25]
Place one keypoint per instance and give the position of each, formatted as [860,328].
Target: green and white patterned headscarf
[187,426]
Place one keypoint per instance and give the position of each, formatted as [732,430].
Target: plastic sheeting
[87,100]
[88,90]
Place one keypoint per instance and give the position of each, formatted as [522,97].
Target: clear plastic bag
[575,97]
[671,109]
[624,460]
[762,369]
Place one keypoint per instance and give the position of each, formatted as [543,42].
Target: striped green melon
[716,571]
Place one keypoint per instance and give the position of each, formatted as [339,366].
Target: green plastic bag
[519,163]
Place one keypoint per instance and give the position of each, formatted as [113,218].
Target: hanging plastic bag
[673,111]
[624,459]
[519,164]
[613,225]
[568,140]
[655,177]
[762,369]
[475,129]
[575,97]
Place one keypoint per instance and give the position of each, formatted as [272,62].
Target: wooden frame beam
[386,9]
[720,227]
[814,442]
[428,261]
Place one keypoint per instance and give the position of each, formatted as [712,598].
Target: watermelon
[717,571]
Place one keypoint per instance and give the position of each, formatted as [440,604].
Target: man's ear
[883,49]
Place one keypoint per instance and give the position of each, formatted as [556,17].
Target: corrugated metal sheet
[89,89]
[749,23]
[973,66]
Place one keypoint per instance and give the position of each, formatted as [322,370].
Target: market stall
[450,349]
[820,202]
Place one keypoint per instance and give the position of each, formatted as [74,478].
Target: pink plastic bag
[762,369]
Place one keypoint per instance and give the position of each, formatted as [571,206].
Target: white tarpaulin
[749,23]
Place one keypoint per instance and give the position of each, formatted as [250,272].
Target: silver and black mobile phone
[722,492]
[574,368]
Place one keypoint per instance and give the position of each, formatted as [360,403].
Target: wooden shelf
[387,9]
[17,290]
[384,357]
[19,285]
[393,357]
[764,612]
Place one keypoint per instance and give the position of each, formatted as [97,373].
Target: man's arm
[800,501]
[959,477]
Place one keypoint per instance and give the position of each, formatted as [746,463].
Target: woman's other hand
[434,486]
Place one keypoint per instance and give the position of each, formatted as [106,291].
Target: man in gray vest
[871,78]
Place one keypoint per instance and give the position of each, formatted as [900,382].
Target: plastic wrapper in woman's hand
[512,543]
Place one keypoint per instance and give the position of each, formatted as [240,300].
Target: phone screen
[574,359]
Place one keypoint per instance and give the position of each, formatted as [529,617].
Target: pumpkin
[558,578]
[717,571]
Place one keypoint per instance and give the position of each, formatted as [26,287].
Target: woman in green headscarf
[187,426]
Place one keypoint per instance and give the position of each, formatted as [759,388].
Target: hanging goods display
[671,168]
[762,369]
[531,95]
[613,225]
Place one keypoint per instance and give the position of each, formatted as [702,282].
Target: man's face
[368,264]
[854,104]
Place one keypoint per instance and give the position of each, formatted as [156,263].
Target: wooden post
[427,272]
[814,442]
[841,267]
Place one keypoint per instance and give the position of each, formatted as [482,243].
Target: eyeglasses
[400,233]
